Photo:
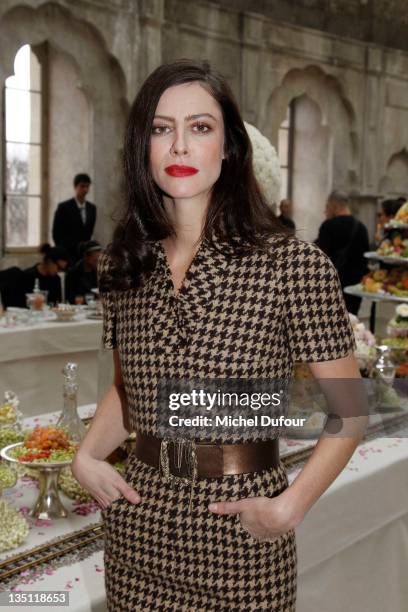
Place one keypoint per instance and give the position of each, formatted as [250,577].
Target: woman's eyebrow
[188,118]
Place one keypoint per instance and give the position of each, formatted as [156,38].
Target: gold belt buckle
[183,452]
[182,449]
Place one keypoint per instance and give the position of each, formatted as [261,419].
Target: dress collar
[204,274]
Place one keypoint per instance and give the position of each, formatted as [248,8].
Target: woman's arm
[267,518]
[107,431]
[331,454]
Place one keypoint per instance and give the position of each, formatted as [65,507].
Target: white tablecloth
[352,546]
[32,357]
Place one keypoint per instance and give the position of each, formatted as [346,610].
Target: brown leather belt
[213,460]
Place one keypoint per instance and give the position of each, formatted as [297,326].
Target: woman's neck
[188,217]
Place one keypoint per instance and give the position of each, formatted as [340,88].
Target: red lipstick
[176,170]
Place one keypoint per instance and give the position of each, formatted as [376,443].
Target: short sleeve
[317,322]
[108,304]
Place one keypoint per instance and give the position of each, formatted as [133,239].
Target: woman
[199,282]
[55,259]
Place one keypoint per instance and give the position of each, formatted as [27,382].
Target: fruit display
[394,247]
[398,343]
[394,282]
[402,214]
[45,445]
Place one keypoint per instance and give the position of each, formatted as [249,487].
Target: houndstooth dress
[252,316]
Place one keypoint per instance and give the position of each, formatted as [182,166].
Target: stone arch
[312,162]
[395,180]
[101,79]
[337,113]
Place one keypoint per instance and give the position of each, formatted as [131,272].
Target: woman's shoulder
[293,252]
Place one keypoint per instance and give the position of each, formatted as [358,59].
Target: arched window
[286,151]
[23,148]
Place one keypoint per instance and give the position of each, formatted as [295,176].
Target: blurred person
[345,240]
[285,214]
[74,219]
[55,259]
[12,289]
[82,278]
[389,209]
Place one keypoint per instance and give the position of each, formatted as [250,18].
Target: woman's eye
[160,129]
[203,128]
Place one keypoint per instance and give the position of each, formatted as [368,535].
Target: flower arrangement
[266,165]
[398,326]
[365,352]
[402,311]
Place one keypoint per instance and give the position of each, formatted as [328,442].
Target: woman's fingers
[127,491]
[258,516]
[104,482]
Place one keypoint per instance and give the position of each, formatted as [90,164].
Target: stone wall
[269,56]
[382,22]
[69,120]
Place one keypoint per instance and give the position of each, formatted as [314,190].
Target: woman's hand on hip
[264,518]
[102,480]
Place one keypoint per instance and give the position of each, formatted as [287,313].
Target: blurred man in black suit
[344,239]
[74,220]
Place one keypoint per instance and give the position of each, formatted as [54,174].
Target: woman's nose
[179,146]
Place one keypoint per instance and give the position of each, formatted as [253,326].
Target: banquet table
[32,358]
[352,545]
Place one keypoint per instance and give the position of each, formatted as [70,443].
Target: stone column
[151,22]
[374,102]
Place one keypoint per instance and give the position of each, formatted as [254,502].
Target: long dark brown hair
[238,213]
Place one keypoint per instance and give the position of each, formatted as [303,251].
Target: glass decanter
[384,373]
[69,418]
[384,367]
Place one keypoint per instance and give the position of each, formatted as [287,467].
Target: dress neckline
[189,274]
